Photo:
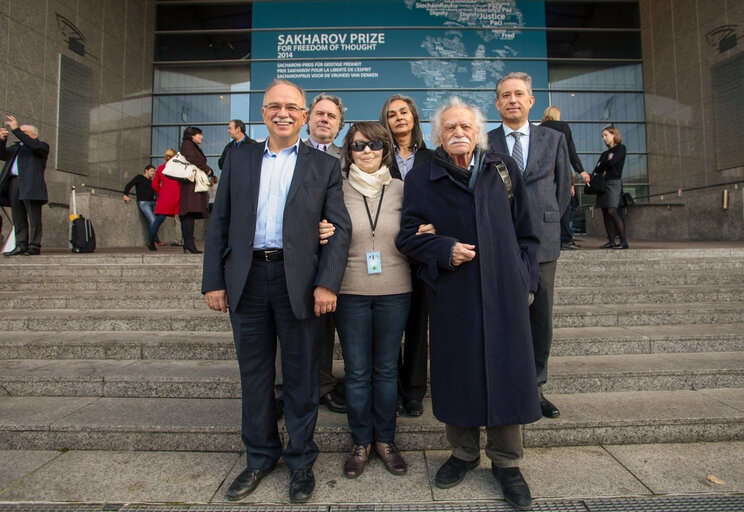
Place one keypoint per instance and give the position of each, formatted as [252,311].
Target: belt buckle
[269,254]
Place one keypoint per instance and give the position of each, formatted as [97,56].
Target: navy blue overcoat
[482,365]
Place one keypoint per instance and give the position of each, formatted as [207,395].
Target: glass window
[583,76]
[592,14]
[203,17]
[191,109]
[212,46]
[593,45]
[599,106]
[202,79]
[588,137]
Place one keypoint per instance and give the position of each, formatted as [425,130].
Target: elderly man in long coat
[481,273]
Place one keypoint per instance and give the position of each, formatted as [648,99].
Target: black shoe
[453,472]
[623,245]
[246,483]
[569,246]
[608,245]
[515,488]
[414,408]
[549,410]
[151,243]
[279,405]
[334,402]
[31,252]
[400,409]
[15,252]
[301,485]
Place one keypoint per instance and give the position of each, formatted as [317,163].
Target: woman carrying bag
[610,165]
[193,205]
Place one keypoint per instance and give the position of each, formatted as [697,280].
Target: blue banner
[427,49]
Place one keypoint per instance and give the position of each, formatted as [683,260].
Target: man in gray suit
[542,155]
[325,119]
[262,260]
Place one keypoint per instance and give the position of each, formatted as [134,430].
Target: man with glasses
[262,260]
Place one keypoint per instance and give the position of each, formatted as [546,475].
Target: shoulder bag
[179,168]
[596,184]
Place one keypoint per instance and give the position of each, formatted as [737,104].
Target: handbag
[201,181]
[596,184]
[179,168]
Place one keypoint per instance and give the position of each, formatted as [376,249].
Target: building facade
[112,83]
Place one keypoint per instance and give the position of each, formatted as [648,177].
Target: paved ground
[584,472]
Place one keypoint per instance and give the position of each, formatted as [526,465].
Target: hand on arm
[426,228]
[325,231]
[217,300]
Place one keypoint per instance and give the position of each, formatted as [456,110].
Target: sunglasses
[374,145]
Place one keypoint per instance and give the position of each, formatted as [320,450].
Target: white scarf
[369,185]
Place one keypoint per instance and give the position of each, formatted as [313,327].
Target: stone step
[180,345]
[221,379]
[202,320]
[182,424]
[190,281]
[170,299]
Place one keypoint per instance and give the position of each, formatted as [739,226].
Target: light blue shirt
[524,140]
[14,167]
[404,164]
[277,170]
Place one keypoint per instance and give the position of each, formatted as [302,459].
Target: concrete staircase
[118,352]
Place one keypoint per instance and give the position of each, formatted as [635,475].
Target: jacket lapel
[499,141]
[301,167]
[536,148]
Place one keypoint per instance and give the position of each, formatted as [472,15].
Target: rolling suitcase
[83,236]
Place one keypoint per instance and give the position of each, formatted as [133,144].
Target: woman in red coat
[169,193]
[193,204]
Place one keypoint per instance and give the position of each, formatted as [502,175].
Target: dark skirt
[611,196]
[192,202]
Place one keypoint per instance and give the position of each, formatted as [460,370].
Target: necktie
[322,147]
[517,151]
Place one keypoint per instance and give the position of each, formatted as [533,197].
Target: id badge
[373,263]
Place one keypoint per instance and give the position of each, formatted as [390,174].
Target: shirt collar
[397,150]
[524,129]
[239,142]
[293,148]
[317,144]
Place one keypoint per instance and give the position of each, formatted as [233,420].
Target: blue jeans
[153,221]
[370,329]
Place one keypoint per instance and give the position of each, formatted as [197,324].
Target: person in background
[168,191]
[611,164]
[142,183]
[374,298]
[236,131]
[192,204]
[22,185]
[552,119]
[400,117]
[481,272]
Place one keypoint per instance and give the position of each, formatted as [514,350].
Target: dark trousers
[541,320]
[263,315]
[504,445]
[327,380]
[413,358]
[26,218]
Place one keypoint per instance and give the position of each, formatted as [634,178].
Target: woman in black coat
[193,205]
[611,164]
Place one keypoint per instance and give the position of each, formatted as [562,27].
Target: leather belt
[273,255]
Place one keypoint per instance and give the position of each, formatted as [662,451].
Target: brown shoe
[357,461]
[392,458]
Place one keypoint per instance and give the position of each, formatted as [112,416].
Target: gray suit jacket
[547,177]
[332,150]
[315,193]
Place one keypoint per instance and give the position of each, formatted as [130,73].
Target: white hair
[32,129]
[481,141]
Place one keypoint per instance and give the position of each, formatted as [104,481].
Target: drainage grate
[694,503]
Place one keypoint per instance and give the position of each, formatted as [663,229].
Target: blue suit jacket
[548,181]
[315,193]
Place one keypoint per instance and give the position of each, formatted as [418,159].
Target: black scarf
[460,174]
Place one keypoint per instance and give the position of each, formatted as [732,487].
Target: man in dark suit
[236,131]
[325,120]
[542,156]
[263,261]
[22,185]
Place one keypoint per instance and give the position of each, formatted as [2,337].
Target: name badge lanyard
[373,225]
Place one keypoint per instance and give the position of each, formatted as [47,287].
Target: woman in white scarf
[374,298]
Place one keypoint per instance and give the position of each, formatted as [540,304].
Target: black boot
[151,243]
[190,246]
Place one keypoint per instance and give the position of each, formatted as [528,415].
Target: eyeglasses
[374,145]
[291,108]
